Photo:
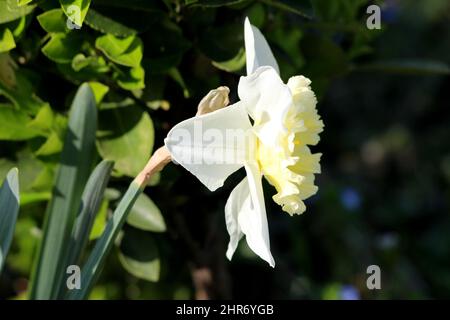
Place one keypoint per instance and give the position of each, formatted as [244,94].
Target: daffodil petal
[257,50]
[202,145]
[238,201]
[246,207]
[267,100]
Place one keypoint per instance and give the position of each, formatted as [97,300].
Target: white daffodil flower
[285,121]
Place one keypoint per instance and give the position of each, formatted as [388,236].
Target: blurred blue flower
[389,11]
[350,199]
[349,292]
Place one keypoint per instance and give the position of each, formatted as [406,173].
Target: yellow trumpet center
[290,167]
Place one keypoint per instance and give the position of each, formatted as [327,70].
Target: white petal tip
[270,261]
[229,253]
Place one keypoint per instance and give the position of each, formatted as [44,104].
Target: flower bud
[214,100]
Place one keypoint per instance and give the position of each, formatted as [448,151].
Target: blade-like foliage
[9,209]
[76,162]
[90,204]
[94,264]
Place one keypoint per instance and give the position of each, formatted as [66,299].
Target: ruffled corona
[290,168]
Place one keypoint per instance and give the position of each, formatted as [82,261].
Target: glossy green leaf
[91,63]
[44,120]
[23,2]
[9,209]
[43,182]
[139,254]
[62,48]
[31,170]
[130,78]
[76,10]
[53,21]
[100,90]
[14,125]
[76,162]
[124,51]
[18,26]
[145,215]
[10,10]
[7,42]
[126,136]
[52,145]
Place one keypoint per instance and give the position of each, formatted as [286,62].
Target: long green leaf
[97,258]
[9,209]
[90,203]
[77,159]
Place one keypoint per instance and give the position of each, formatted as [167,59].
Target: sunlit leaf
[127,51]
[62,48]
[53,21]
[10,10]
[75,10]
[7,42]
[100,90]
[130,78]
[14,125]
